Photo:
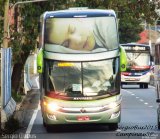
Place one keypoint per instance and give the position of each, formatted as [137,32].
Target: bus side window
[51,87]
[115,65]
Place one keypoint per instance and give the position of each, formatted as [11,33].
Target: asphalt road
[138,120]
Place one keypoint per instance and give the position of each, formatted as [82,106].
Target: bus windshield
[81,35]
[82,79]
[138,59]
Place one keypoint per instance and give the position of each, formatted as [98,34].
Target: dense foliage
[1,20]
[131,13]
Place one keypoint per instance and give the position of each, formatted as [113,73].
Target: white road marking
[127,91]
[152,87]
[146,103]
[29,128]
[131,93]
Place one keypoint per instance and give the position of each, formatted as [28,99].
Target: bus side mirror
[123,59]
[40,61]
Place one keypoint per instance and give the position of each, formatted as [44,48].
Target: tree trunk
[16,76]
[17,72]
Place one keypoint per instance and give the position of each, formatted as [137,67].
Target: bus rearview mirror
[40,61]
[123,59]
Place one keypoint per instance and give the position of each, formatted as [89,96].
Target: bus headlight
[52,107]
[112,105]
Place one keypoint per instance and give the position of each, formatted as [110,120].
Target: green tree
[25,33]
[131,13]
[1,20]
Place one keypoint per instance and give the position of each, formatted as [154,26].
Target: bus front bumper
[135,79]
[108,116]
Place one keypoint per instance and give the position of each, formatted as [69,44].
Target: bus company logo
[82,98]
[82,110]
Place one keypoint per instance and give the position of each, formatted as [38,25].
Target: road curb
[7,112]
[26,108]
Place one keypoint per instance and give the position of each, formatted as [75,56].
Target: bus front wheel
[48,127]
[44,124]
[113,126]
[144,85]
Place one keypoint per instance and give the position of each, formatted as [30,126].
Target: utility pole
[6,23]
[19,3]
[4,45]
[4,70]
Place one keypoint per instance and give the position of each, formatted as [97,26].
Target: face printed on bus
[74,34]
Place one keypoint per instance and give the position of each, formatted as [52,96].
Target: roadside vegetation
[10,126]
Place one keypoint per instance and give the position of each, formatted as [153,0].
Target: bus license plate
[83,118]
[132,79]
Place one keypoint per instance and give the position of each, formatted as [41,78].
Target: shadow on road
[76,128]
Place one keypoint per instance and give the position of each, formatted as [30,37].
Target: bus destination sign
[136,48]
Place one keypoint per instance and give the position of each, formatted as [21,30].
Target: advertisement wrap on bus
[79,66]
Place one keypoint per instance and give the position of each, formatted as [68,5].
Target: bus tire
[113,126]
[121,85]
[145,85]
[49,128]
[141,85]
[44,124]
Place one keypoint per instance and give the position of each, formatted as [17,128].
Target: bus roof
[79,13]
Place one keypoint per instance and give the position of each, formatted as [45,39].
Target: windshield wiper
[138,55]
[104,92]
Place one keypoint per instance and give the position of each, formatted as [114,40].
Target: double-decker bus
[157,76]
[139,65]
[79,66]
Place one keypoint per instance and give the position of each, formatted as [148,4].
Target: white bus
[139,65]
